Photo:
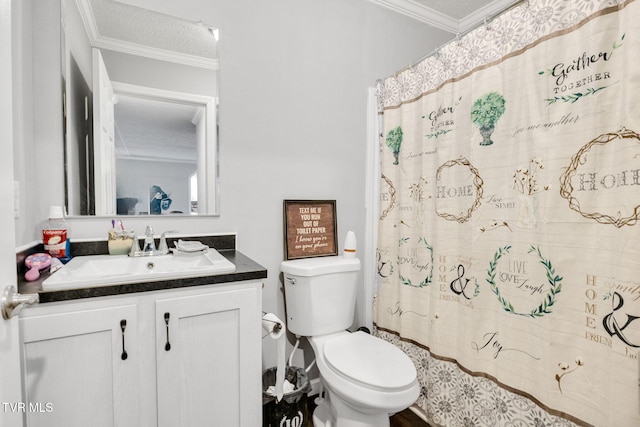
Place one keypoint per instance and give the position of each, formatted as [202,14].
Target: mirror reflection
[141,139]
[156,153]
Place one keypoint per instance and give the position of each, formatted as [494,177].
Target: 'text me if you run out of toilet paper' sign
[310,228]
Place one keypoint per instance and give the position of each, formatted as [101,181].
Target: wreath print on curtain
[581,176]
[518,281]
[507,241]
[469,189]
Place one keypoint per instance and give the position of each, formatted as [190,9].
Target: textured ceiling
[117,22]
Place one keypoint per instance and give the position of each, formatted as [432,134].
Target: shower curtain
[508,239]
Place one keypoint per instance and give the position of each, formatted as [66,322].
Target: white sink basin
[102,270]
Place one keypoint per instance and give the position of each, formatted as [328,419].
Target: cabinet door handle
[167,346]
[123,326]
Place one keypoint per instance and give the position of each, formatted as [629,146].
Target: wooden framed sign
[310,228]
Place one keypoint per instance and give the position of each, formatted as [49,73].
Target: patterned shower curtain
[509,243]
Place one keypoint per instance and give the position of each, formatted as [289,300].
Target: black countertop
[246,269]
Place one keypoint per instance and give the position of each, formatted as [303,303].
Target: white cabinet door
[80,367]
[209,359]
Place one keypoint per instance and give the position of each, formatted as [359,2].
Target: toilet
[364,378]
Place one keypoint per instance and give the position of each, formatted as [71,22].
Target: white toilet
[364,377]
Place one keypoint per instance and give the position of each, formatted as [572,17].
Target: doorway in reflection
[156,144]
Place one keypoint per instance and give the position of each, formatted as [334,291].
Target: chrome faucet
[164,248]
[149,242]
[135,246]
[149,246]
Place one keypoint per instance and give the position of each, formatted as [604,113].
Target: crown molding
[421,13]
[88,19]
[155,53]
[444,22]
[101,42]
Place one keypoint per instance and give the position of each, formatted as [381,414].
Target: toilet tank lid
[320,265]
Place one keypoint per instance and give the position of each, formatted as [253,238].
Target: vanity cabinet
[208,359]
[184,357]
[80,366]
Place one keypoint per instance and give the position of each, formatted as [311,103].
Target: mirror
[141,137]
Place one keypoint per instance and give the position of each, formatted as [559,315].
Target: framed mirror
[142,137]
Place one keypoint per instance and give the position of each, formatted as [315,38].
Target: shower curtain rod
[487,20]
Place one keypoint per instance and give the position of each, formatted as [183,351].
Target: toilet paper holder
[277,325]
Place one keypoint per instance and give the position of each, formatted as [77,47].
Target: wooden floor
[407,418]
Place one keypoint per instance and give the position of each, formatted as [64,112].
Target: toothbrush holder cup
[119,241]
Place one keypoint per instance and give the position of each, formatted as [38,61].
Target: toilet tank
[320,294]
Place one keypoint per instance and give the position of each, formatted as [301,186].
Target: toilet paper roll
[275,327]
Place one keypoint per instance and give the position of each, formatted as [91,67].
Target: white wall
[23,128]
[38,145]
[293,89]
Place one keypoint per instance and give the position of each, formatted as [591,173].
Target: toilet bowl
[366,379]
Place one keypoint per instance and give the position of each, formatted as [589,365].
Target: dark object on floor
[407,418]
[293,408]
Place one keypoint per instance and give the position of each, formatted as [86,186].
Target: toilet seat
[369,361]
[362,389]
